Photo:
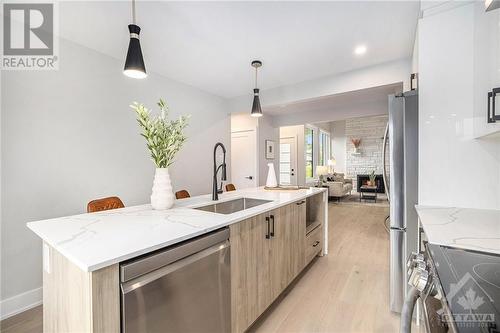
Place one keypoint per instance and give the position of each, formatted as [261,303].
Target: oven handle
[407,310]
[159,273]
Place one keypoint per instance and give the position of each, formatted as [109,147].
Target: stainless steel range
[459,290]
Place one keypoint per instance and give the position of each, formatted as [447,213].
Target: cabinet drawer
[314,243]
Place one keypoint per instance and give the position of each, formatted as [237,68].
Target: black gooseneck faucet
[215,190]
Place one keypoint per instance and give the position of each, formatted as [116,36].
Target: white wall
[342,112]
[454,168]
[414,57]
[267,132]
[339,145]
[243,122]
[69,136]
[388,73]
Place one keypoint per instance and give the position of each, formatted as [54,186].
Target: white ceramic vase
[162,196]
[271,176]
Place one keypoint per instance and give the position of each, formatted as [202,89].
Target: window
[285,163]
[309,138]
[324,148]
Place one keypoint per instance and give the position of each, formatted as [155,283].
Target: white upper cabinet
[453,87]
[486,67]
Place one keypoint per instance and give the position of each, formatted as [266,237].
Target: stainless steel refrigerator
[401,183]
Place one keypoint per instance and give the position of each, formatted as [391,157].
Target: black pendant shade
[256,109]
[134,64]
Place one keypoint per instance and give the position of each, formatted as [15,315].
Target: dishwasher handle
[137,267]
[143,280]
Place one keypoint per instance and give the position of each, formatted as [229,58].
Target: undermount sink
[233,206]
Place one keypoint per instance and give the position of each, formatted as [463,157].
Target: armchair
[338,186]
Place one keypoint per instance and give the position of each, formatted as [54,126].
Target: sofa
[338,186]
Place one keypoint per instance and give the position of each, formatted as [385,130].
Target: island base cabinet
[79,301]
[250,275]
[287,246]
[267,253]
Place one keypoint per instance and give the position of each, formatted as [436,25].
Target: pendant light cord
[256,77]
[133,12]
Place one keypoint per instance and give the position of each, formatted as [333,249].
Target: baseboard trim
[20,303]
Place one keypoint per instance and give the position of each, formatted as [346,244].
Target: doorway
[244,159]
[288,161]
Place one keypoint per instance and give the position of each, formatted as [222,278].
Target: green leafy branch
[164,137]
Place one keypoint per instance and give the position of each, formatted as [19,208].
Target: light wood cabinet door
[298,242]
[267,253]
[287,245]
[279,244]
[250,275]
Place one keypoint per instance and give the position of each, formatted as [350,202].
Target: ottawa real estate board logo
[30,36]
[468,299]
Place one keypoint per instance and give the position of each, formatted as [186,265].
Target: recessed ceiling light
[360,49]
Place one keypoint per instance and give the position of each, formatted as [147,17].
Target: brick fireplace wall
[371,132]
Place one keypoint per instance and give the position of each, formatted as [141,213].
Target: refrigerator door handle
[384,164]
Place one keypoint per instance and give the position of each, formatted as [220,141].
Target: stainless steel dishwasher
[184,288]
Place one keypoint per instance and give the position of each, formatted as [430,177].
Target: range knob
[415,258]
[417,265]
[419,278]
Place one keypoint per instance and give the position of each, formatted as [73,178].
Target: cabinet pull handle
[316,244]
[272,219]
[268,235]
[301,202]
[492,116]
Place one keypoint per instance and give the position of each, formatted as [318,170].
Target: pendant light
[256,109]
[491,5]
[134,64]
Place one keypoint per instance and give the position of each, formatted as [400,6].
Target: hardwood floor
[26,322]
[346,291]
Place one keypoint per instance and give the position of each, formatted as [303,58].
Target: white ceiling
[210,45]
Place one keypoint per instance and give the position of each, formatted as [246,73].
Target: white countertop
[96,240]
[466,228]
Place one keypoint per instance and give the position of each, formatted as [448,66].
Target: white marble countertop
[466,228]
[96,240]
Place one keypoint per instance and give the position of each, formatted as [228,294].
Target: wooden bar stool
[230,187]
[104,204]
[182,194]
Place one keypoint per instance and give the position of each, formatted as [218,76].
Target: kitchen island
[82,253]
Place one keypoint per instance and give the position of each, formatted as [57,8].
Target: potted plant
[372,177]
[356,142]
[164,139]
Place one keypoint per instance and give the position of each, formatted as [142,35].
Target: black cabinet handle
[272,219]
[492,116]
[316,244]
[301,202]
[268,235]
